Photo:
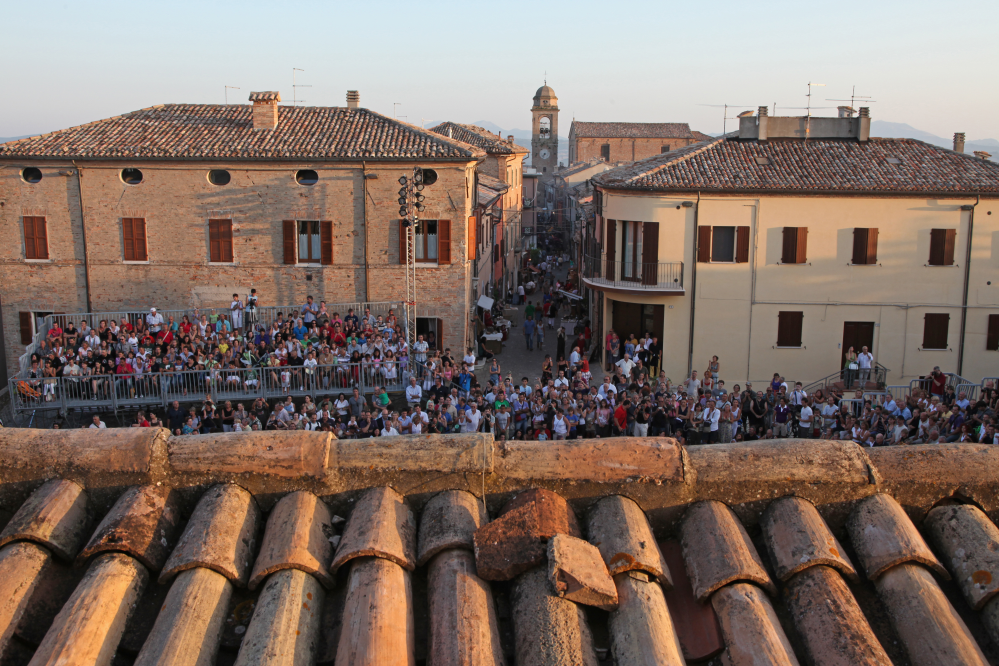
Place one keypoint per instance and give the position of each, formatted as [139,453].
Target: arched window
[545,128]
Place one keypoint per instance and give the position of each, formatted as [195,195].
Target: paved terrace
[144,548]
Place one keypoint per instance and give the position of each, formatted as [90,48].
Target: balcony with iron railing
[603,274]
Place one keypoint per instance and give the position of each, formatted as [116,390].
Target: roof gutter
[789,192]
[967,281]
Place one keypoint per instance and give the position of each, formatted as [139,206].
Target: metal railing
[158,390]
[262,315]
[878,374]
[663,275]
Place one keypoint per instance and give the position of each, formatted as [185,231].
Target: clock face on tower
[544,154]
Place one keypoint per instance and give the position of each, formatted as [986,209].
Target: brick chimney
[509,138]
[353,99]
[959,142]
[982,155]
[265,109]
[864,124]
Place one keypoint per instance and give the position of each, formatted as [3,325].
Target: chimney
[353,99]
[265,109]
[845,111]
[762,121]
[959,142]
[509,138]
[982,155]
[864,124]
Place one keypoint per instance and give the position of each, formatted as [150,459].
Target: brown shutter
[443,241]
[225,234]
[42,240]
[25,327]
[29,237]
[742,245]
[611,248]
[789,253]
[703,244]
[872,245]
[326,242]
[472,239]
[402,242]
[290,256]
[789,329]
[935,327]
[992,338]
[214,242]
[948,252]
[36,244]
[801,247]
[859,246]
[127,239]
[650,253]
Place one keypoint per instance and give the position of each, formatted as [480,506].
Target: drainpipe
[83,225]
[693,289]
[967,280]
[364,208]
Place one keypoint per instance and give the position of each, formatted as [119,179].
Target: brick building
[498,213]
[182,205]
[627,142]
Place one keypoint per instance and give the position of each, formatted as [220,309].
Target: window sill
[309,264]
[785,347]
[223,263]
[38,261]
[805,263]
[427,264]
[934,349]
[128,261]
[941,266]
[853,264]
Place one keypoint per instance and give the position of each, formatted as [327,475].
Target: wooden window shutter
[859,246]
[26,336]
[496,253]
[290,256]
[872,245]
[133,233]
[611,248]
[220,241]
[443,241]
[225,233]
[992,338]
[402,241]
[789,252]
[935,327]
[214,244]
[801,246]
[949,237]
[326,241]
[942,247]
[741,244]
[650,253]
[473,225]
[703,244]
[36,242]
[789,328]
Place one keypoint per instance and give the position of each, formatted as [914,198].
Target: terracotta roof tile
[478,136]
[217,132]
[827,165]
[631,130]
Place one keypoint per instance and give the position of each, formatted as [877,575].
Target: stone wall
[624,150]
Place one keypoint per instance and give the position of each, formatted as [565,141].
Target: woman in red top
[186,326]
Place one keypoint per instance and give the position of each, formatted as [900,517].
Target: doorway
[639,319]
[856,334]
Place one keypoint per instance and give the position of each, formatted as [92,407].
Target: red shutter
[290,256]
[36,244]
[801,247]
[25,327]
[650,253]
[225,235]
[859,246]
[133,232]
[326,241]
[443,241]
[872,245]
[402,242]
[948,252]
[703,244]
[611,249]
[742,245]
[42,240]
[127,239]
[214,242]
[992,338]
[472,240]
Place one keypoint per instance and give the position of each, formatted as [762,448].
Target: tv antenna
[725,117]
[808,119]
[395,112]
[295,86]
[227,89]
[854,97]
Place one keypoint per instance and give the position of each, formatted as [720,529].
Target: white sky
[929,64]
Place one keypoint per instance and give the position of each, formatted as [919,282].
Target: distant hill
[890,130]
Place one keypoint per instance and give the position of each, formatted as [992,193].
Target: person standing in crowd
[865,360]
[529,332]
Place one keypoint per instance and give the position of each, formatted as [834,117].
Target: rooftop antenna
[227,88]
[866,99]
[808,119]
[295,86]
[725,117]
[395,113]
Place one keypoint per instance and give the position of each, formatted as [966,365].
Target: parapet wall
[659,474]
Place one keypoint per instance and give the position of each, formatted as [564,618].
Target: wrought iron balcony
[601,273]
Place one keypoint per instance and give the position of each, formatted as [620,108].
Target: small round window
[31,174]
[219,177]
[131,176]
[307,177]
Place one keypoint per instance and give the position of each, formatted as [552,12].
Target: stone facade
[583,149]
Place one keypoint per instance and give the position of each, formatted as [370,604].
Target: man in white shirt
[712,415]
[798,396]
[574,359]
[420,420]
[864,361]
[414,393]
[420,348]
[607,389]
[626,364]
[472,419]
[520,294]
[561,382]
[98,424]
[805,426]
[962,400]
[155,320]
[693,385]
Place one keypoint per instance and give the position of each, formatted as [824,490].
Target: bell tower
[544,131]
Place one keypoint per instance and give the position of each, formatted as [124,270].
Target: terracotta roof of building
[217,549]
[225,132]
[701,136]
[583,129]
[820,165]
[480,137]
[266,96]
[490,189]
